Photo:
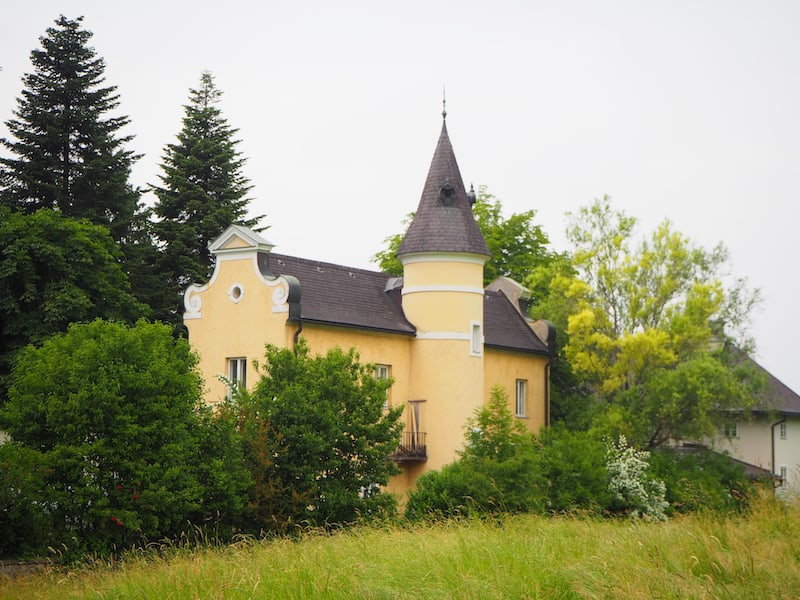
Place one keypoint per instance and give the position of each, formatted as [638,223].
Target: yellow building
[444,339]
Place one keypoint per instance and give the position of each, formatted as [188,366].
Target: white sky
[687,110]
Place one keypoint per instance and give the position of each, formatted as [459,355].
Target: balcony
[412,448]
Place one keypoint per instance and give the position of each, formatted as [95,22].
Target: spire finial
[444,104]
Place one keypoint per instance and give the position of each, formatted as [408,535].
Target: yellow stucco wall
[224,328]
[443,298]
[239,311]
[373,348]
[505,368]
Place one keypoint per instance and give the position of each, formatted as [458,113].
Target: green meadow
[525,556]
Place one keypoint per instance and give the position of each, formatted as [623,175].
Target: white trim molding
[476,339]
[236,293]
[459,257]
[193,302]
[444,335]
[461,289]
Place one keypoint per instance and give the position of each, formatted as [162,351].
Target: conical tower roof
[444,221]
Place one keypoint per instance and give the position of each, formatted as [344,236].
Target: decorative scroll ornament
[192,302]
[280,296]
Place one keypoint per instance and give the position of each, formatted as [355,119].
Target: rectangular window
[476,339]
[783,430]
[732,429]
[382,372]
[237,374]
[784,471]
[522,386]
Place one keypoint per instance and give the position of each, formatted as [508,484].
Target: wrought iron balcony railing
[412,448]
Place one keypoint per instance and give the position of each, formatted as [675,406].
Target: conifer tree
[67,151]
[203,189]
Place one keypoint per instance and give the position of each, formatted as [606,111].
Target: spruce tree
[203,189]
[67,150]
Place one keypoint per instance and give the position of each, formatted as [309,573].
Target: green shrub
[316,437]
[572,465]
[130,452]
[497,471]
[24,519]
[701,479]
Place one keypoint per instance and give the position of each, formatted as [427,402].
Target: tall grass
[701,556]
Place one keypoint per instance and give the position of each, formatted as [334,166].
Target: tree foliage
[26,528]
[497,471]
[651,329]
[518,246]
[203,189]
[69,154]
[131,453]
[55,271]
[317,437]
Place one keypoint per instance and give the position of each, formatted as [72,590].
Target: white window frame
[784,430]
[521,398]
[237,373]
[475,338]
[731,430]
[783,470]
[383,372]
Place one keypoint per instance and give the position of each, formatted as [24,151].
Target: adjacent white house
[769,438]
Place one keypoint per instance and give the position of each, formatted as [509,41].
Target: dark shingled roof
[505,327]
[780,397]
[337,295]
[444,221]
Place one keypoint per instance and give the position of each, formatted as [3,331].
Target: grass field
[702,556]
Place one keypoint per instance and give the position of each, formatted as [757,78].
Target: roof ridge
[279,255]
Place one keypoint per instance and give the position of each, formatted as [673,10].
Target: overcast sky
[686,110]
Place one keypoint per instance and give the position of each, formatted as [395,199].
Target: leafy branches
[648,329]
[317,437]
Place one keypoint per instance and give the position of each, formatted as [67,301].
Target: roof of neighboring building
[443,221]
[341,296]
[781,398]
[752,471]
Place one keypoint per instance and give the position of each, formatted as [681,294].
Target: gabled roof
[781,398]
[506,328]
[237,238]
[336,295]
[443,221]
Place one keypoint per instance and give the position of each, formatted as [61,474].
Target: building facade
[444,339]
[768,438]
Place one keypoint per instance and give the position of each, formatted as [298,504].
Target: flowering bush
[640,494]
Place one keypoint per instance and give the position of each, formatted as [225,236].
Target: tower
[443,254]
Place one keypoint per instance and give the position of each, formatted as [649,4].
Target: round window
[236,292]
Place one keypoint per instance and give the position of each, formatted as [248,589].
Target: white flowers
[631,485]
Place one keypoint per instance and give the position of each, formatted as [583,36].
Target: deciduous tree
[318,438]
[55,271]
[130,451]
[517,245]
[655,331]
